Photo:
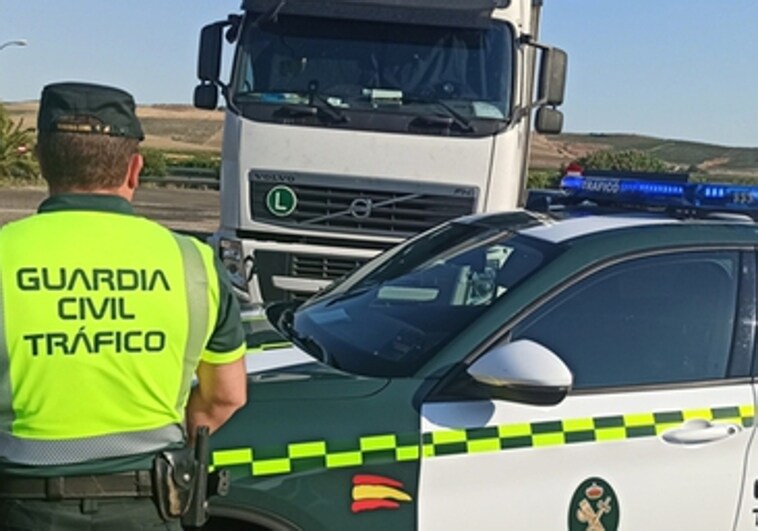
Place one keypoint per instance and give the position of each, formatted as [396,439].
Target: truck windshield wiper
[293,110]
[317,100]
[435,120]
[317,107]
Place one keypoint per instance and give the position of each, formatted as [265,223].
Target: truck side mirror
[209,58]
[206,96]
[552,81]
[523,371]
[548,121]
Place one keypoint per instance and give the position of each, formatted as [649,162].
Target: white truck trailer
[353,124]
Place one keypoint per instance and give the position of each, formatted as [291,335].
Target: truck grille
[271,263]
[327,267]
[390,208]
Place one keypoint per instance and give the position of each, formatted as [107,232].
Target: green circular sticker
[281,200]
[594,507]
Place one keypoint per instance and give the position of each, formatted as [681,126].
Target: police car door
[654,433]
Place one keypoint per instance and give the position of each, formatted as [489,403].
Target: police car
[589,366]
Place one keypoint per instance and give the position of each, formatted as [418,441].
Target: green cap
[88,108]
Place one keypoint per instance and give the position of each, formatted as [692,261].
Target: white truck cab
[354,124]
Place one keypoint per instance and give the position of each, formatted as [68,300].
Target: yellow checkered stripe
[395,448]
[573,431]
[309,455]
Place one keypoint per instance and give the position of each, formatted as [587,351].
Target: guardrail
[186,177]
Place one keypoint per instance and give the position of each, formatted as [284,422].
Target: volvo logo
[361,207]
[272,177]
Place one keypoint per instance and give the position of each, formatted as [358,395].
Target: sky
[679,69]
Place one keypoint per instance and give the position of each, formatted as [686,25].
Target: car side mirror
[523,371]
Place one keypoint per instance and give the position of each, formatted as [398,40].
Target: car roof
[561,229]
[571,223]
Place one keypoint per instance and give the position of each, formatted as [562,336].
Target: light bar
[703,196]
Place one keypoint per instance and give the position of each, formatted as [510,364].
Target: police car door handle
[701,431]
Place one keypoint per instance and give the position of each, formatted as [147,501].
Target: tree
[17,159]
[627,160]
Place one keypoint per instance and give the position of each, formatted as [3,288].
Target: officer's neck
[126,194]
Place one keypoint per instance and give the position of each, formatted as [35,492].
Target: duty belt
[136,484]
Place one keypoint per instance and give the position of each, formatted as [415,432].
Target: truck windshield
[374,68]
[393,314]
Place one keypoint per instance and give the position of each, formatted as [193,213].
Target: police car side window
[646,321]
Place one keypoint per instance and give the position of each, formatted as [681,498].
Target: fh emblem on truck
[281,200]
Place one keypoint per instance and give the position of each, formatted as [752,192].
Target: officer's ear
[136,162]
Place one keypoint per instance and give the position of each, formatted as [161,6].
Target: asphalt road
[186,210]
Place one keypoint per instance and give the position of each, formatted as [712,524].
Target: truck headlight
[234,262]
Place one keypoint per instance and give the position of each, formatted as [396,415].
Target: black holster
[175,475]
[182,484]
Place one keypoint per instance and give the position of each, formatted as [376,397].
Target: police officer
[104,319]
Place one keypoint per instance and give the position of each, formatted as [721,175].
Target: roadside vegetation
[159,163]
[636,160]
[625,160]
[17,160]
[183,170]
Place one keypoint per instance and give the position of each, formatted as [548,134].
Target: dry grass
[167,127]
[183,128]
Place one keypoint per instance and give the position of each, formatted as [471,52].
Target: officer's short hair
[86,135]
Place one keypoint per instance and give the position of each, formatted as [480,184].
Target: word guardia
[95,279]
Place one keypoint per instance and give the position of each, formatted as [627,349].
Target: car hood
[292,374]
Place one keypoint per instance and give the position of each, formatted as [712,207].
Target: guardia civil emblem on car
[594,507]
[281,200]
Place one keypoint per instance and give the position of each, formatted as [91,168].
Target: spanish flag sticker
[377,492]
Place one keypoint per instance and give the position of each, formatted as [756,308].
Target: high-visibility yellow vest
[103,319]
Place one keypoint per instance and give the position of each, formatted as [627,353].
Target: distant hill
[184,128]
[682,155]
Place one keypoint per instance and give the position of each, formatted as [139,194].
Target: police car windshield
[394,313]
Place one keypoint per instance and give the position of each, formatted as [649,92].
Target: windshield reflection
[395,312]
[379,67]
